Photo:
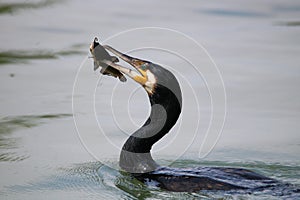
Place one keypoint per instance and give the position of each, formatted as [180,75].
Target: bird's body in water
[165,98]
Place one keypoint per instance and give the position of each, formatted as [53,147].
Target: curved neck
[165,110]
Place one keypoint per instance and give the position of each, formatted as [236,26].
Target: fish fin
[106,71]
[96,66]
[114,59]
[102,71]
[122,78]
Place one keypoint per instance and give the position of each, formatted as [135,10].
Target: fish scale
[99,55]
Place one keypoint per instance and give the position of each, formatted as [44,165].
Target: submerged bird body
[205,178]
[165,97]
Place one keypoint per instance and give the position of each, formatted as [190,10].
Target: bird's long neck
[165,110]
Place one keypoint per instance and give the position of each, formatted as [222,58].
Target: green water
[95,180]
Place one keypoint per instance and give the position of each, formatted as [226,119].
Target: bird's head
[161,85]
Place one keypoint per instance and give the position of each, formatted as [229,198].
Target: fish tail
[122,78]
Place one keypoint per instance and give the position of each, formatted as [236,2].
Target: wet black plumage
[165,98]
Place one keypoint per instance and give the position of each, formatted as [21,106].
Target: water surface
[43,43]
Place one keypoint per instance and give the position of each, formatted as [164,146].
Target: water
[43,43]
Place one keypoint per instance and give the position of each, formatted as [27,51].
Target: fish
[99,54]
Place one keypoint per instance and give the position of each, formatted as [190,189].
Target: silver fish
[99,55]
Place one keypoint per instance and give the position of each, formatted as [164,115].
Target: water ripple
[10,8]
[9,143]
[20,56]
[233,13]
[94,180]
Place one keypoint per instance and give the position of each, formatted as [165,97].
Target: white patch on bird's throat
[150,83]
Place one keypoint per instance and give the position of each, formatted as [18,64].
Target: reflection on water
[234,13]
[9,124]
[8,142]
[291,23]
[14,7]
[17,56]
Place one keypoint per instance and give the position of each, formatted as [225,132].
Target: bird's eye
[144,66]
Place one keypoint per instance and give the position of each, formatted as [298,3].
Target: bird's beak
[138,64]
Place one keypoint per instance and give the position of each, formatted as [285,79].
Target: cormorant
[165,98]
